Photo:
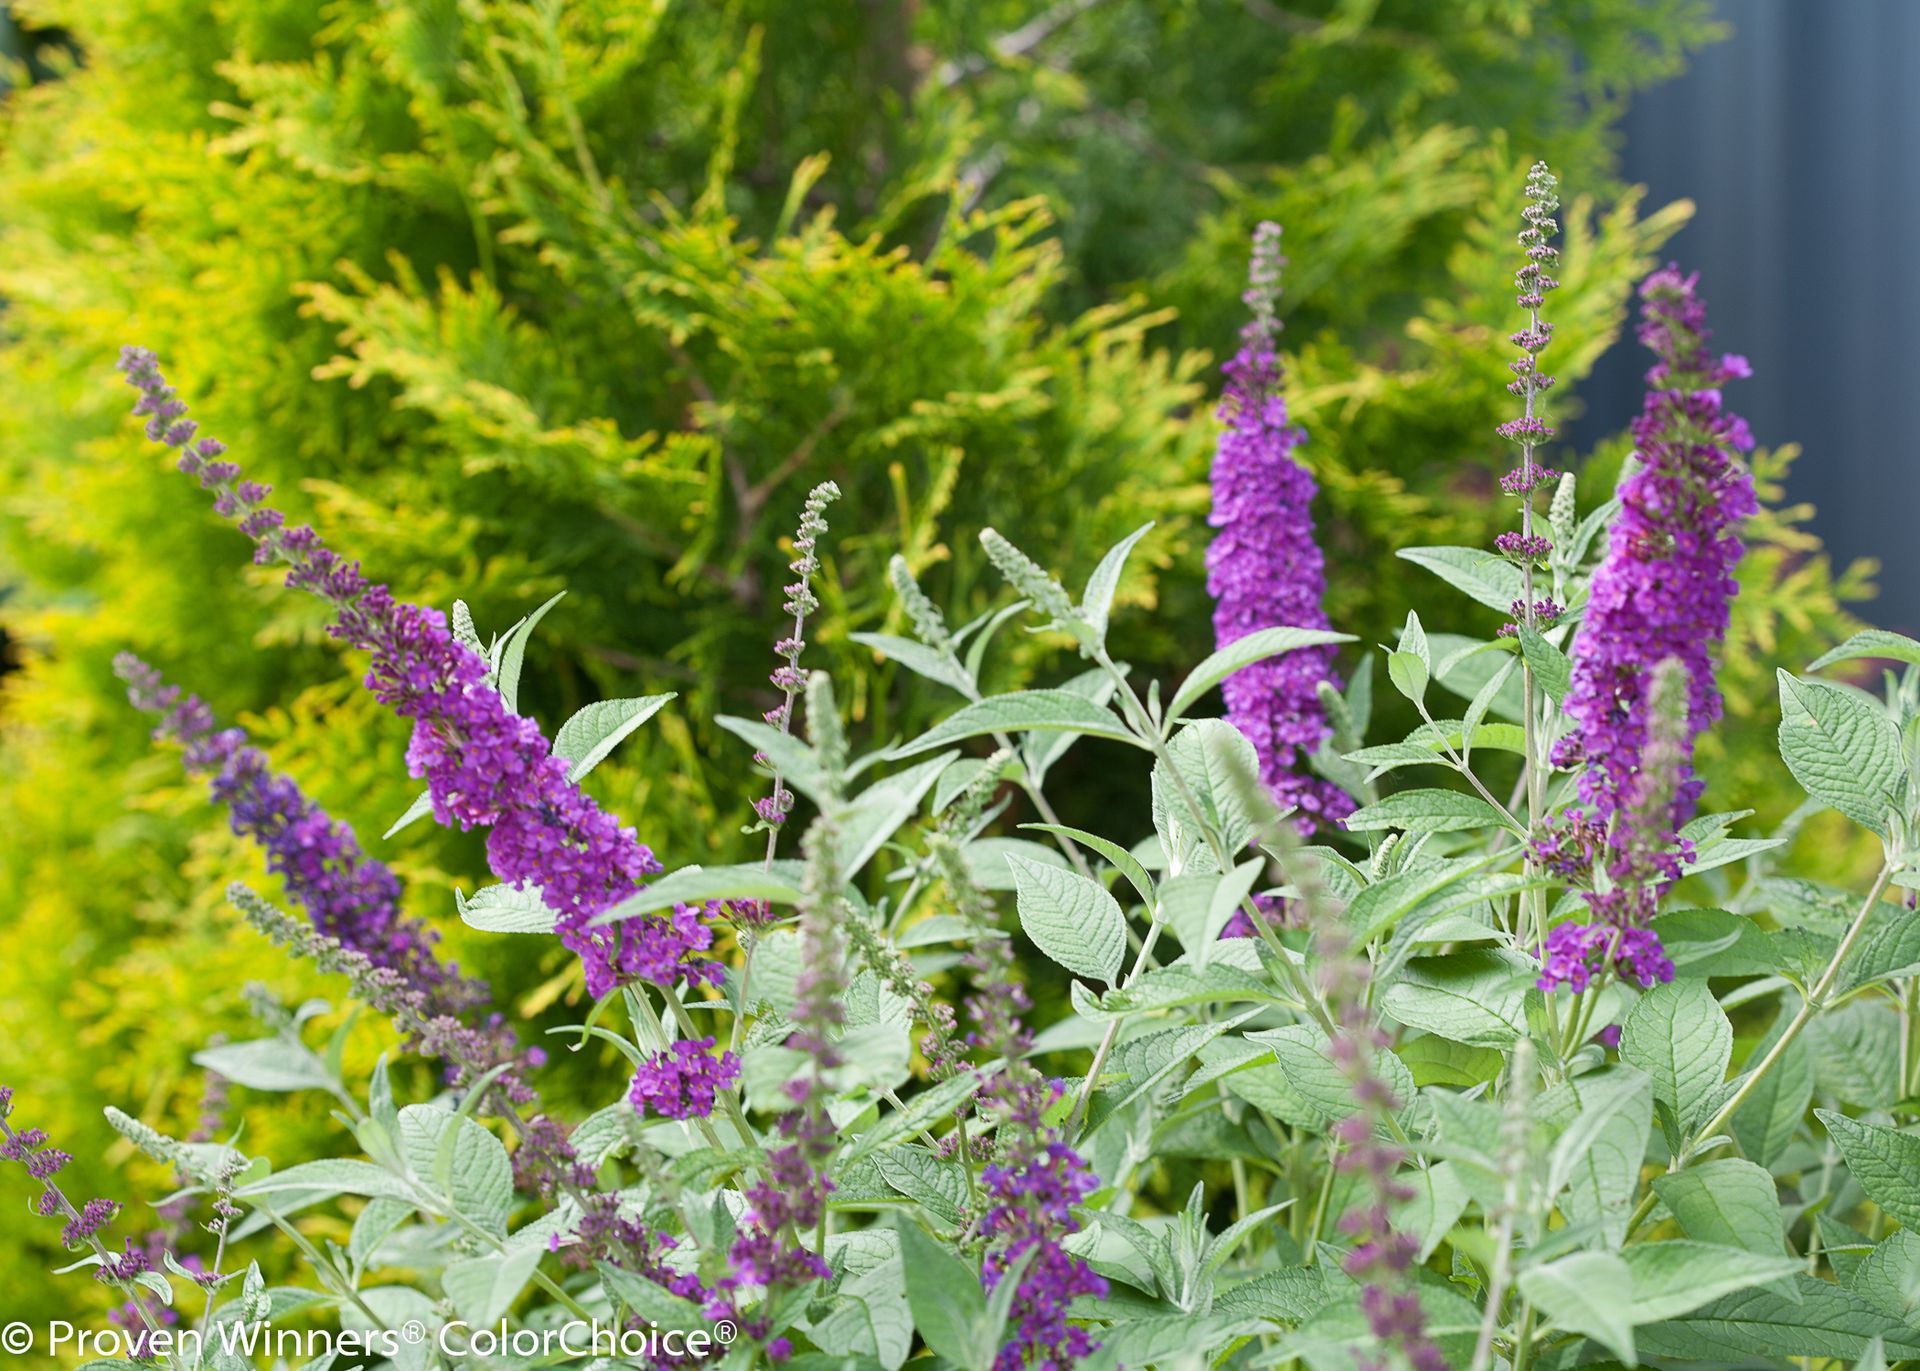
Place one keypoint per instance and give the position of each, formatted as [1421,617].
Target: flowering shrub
[1437,1076]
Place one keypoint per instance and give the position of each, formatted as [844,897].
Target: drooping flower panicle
[485,766]
[347,895]
[1665,587]
[1264,568]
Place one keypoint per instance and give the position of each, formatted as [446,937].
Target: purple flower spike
[1264,569]
[484,765]
[1666,585]
[347,895]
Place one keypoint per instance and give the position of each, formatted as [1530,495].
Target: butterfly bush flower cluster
[1533,281]
[1264,568]
[1661,599]
[348,896]
[1666,585]
[485,766]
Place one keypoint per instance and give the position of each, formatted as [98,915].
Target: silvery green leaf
[938,1185]
[650,1300]
[483,1288]
[604,1133]
[513,653]
[1677,1277]
[699,884]
[1039,751]
[421,807]
[1210,758]
[1884,1161]
[1022,711]
[1244,652]
[796,762]
[1097,602]
[1678,1034]
[1549,665]
[1829,1322]
[1889,1278]
[452,1156]
[1475,572]
[1439,1199]
[1769,1117]
[1842,748]
[944,928]
[278,1064]
[591,735]
[989,860]
[341,1176]
[1590,1293]
[1729,1201]
[1122,860]
[1071,919]
[1604,1119]
[1873,642]
[1476,996]
[944,1294]
[505,909]
[1426,811]
[877,812]
[868,1314]
[935,1102]
[1726,851]
[373,1226]
[1409,675]
[918,658]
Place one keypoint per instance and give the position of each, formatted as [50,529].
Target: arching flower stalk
[1264,568]
[485,766]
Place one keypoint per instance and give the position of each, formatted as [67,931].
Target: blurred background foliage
[510,298]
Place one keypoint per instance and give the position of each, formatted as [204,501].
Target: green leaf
[1122,860]
[1874,642]
[1477,996]
[652,1301]
[1675,1278]
[513,654]
[1842,748]
[484,1288]
[1426,811]
[918,658]
[337,1176]
[1884,1161]
[1022,711]
[1550,667]
[1678,1034]
[935,1102]
[698,884]
[938,1185]
[455,1157]
[944,1294]
[1588,1293]
[1205,756]
[1439,1199]
[591,735]
[1730,1202]
[1603,1117]
[505,909]
[1889,1278]
[1764,1325]
[1097,603]
[1071,919]
[795,762]
[277,1064]
[1244,652]
[877,813]
[1475,572]
[1770,1115]
[421,807]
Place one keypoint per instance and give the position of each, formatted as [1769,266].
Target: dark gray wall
[1799,141]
